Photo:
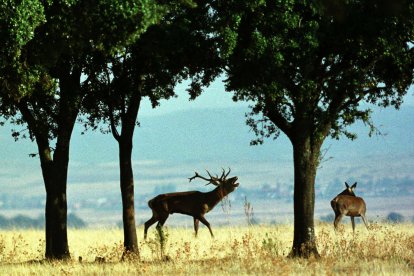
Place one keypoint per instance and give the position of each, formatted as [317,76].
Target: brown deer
[192,203]
[348,204]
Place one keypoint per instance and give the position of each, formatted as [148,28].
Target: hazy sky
[213,97]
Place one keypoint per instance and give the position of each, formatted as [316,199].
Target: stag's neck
[215,196]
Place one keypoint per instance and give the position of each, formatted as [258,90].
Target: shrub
[395,217]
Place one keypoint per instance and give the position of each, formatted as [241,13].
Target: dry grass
[385,249]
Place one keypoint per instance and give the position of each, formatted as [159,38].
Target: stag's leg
[337,220]
[364,219]
[160,224]
[196,221]
[148,224]
[206,223]
[353,224]
[161,221]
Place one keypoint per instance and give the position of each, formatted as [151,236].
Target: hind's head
[349,190]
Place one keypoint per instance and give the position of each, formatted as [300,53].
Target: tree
[308,66]
[17,24]
[395,217]
[59,53]
[167,53]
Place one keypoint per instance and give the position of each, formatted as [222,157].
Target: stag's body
[192,203]
[348,204]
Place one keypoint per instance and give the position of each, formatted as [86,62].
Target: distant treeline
[21,221]
[367,187]
[392,217]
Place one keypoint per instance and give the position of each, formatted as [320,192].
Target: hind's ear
[346,184]
[353,186]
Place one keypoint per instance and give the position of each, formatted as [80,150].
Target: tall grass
[384,249]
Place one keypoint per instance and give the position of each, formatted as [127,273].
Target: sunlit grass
[384,249]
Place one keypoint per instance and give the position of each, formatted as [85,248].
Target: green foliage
[158,245]
[72,34]
[316,60]
[272,245]
[176,48]
[18,21]
[79,28]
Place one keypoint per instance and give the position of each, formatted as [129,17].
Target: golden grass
[385,249]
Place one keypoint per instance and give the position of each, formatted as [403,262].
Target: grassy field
[385,249]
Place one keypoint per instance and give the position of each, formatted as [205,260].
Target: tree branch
[114,131]
[33,124]
[276,117]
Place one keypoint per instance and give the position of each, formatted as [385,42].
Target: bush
[25,222]
[328,218]
[395,217]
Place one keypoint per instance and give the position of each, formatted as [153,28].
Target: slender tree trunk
[127,191]
[128,123]
[306,155]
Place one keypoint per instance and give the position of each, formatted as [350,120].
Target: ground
[383,249]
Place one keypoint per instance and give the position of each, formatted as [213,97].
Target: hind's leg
[337,220]
[353,224]
[364,219]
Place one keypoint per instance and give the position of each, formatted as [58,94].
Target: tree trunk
[56,224]
[127,192]
[305,154]
[128,123]
[55,169]
[55,178]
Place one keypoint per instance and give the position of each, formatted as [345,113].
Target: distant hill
[222,134]
[168,148]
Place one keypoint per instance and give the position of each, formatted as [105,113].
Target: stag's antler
[224,174]
[212,180]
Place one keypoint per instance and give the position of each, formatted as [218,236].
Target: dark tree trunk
[55,169]
[56,223]
[128,123]
[127,191]
[305,154]
[55,174]
[55,179]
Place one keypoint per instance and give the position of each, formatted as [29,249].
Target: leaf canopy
[316,60]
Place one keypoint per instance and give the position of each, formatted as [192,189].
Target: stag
[192,203]
[348,204]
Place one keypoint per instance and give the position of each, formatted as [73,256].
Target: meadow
[384,249]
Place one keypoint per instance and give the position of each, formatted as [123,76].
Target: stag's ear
[346,184]
[353,186]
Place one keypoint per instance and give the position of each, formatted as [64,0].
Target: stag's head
[229,185]
[349,190]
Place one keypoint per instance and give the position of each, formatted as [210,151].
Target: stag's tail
[150,202]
